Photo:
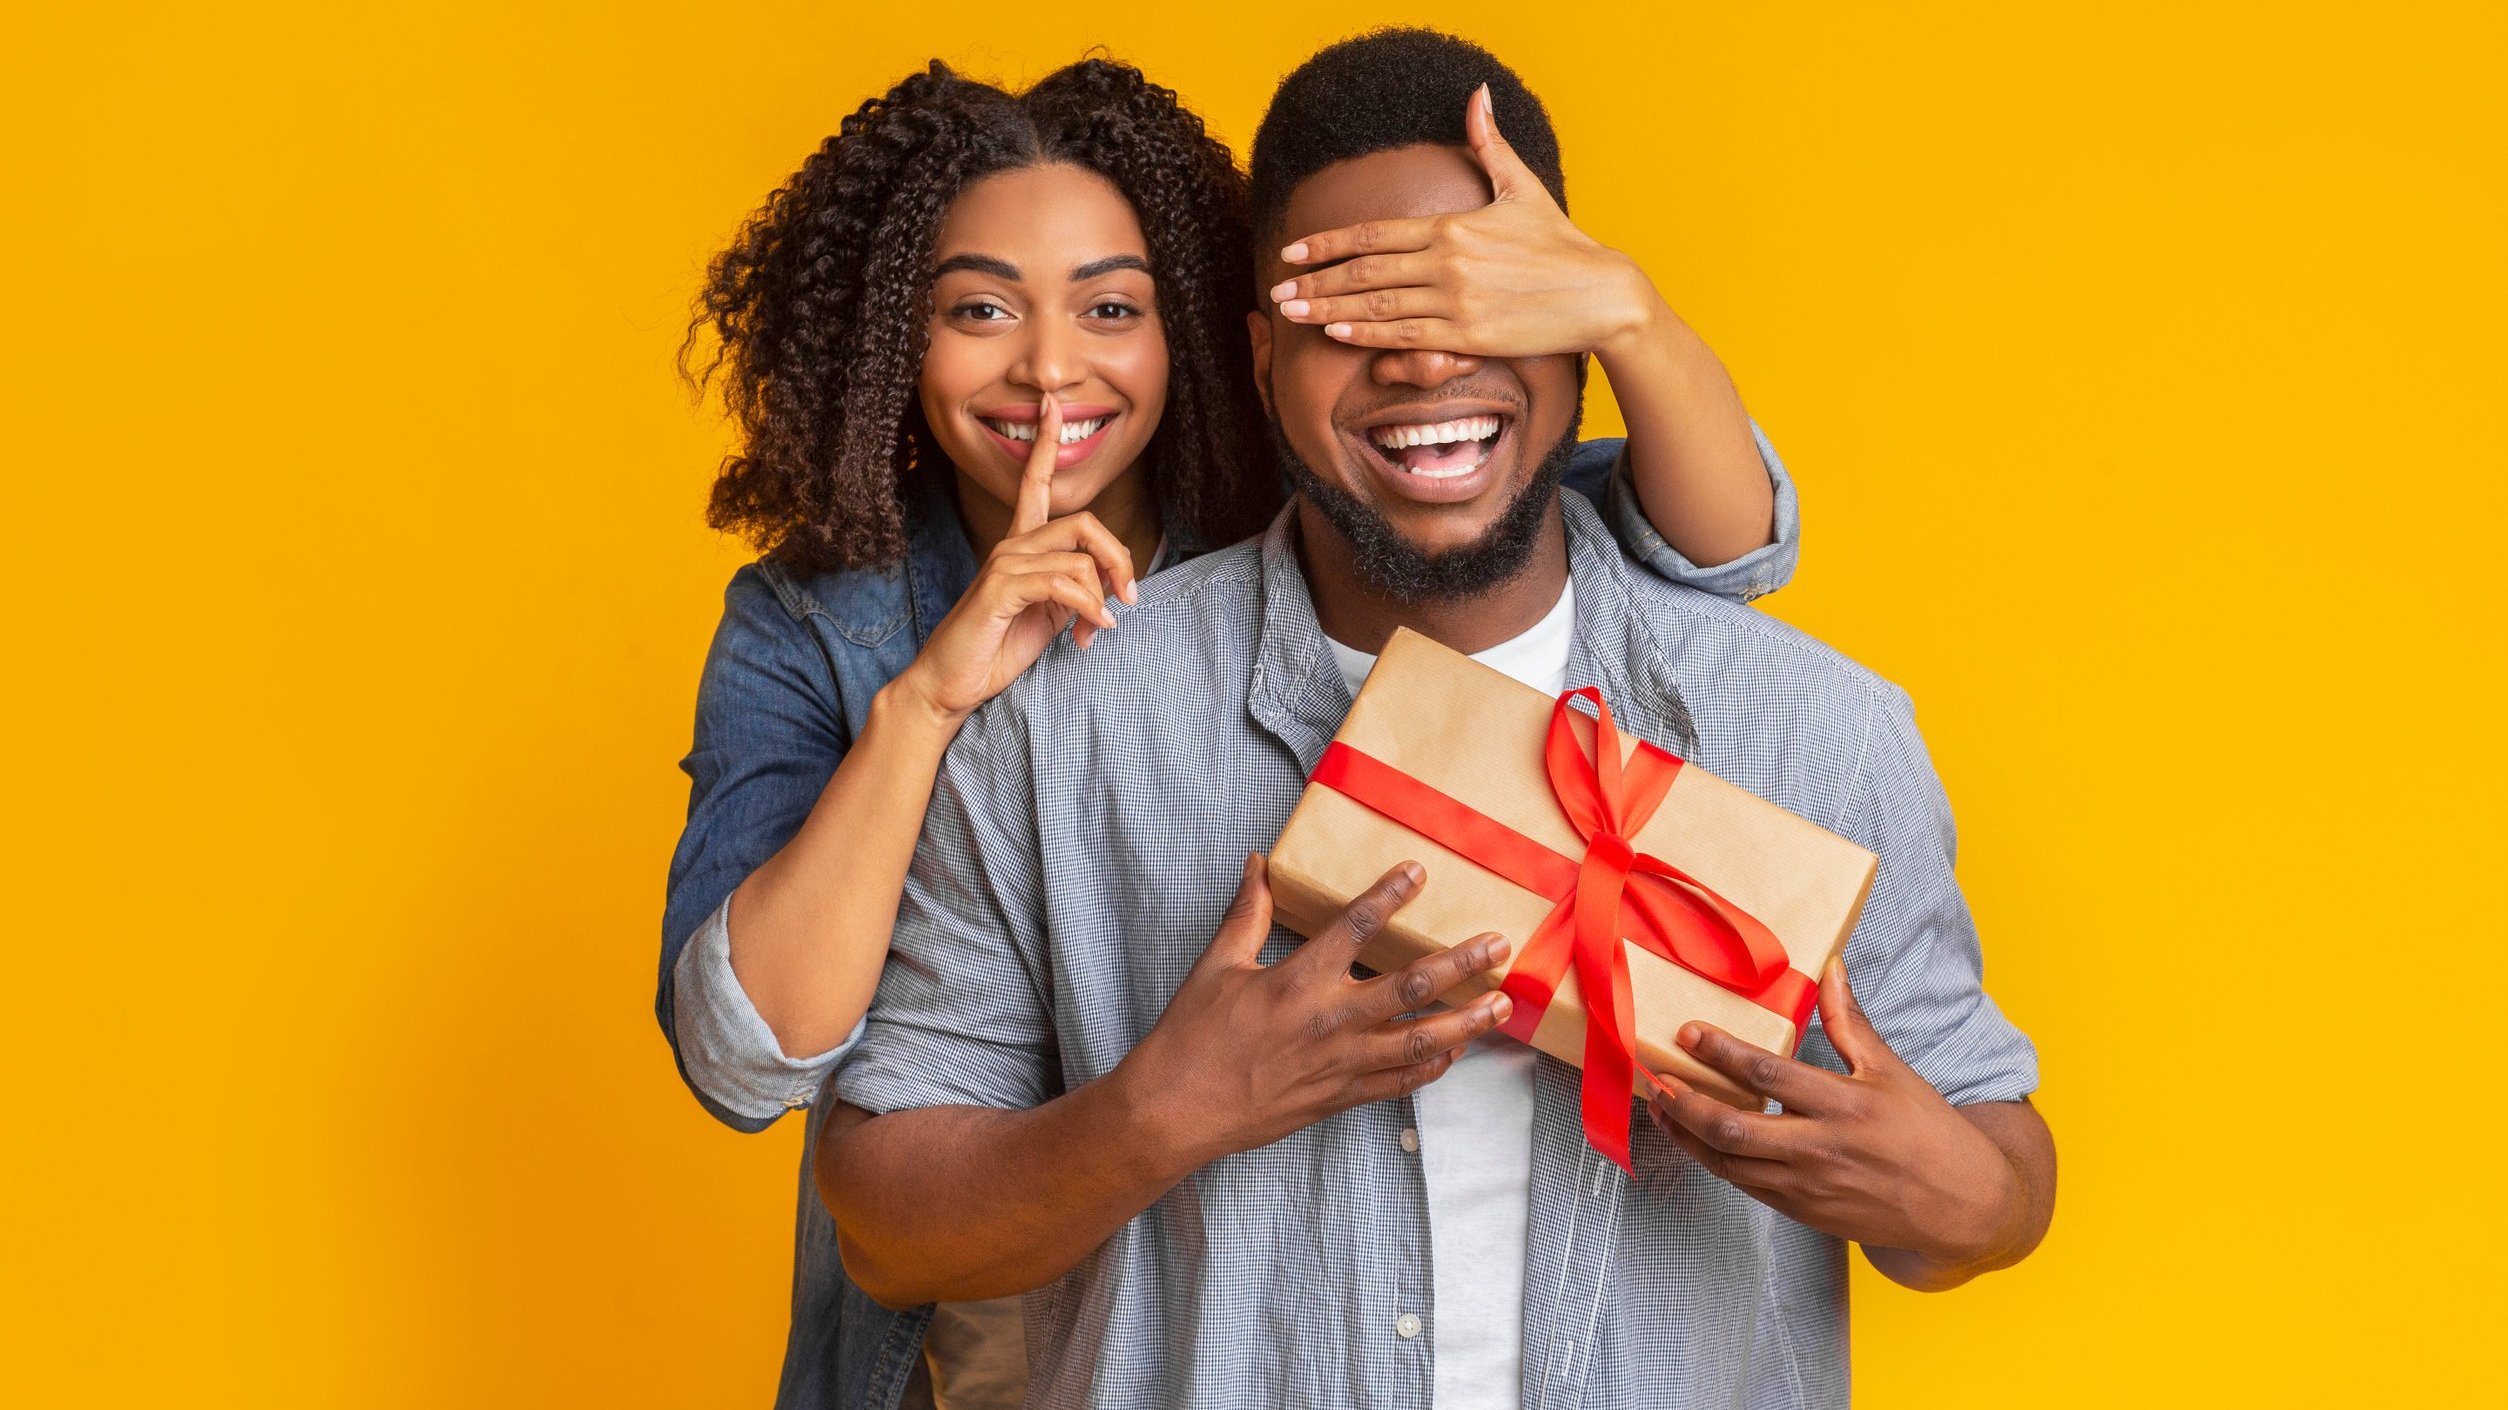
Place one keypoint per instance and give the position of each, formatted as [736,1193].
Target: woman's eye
[982,313]
[1113,308]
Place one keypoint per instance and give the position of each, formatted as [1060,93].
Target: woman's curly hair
[819,307]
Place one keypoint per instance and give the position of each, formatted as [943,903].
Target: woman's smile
[1012,430]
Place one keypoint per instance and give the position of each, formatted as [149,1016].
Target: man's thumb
[1248,921]
[1843,1020]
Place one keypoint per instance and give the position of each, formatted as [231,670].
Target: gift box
[1616,869]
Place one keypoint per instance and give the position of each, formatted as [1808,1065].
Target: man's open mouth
[1438,450]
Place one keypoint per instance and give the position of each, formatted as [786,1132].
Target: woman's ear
[1258,329]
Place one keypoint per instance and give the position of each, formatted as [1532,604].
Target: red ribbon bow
[1613,891]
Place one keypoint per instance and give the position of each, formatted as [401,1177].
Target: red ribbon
[1613,891]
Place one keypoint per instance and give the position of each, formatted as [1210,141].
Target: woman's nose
[1051,359]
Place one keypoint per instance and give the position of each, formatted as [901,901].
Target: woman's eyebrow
[1109,265]
[980,264]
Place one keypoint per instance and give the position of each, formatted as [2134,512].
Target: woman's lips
[1065,456]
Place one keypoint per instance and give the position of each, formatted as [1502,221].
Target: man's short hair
[1387,89]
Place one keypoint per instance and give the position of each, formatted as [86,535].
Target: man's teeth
[1026,430]
[1467,428]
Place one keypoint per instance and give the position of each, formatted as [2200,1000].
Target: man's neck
[1354,613]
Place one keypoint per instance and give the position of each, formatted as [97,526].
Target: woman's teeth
[1026,430]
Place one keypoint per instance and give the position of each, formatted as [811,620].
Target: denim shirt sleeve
[725,1047]
[1914,960]
[1600,470]
[770,731]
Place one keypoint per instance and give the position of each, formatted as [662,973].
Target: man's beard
[1409,574]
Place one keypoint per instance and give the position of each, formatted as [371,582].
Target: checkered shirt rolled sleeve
[1914,958]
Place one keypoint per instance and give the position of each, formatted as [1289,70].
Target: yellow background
[2140,364]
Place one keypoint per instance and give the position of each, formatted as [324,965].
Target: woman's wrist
[1651,342]
[904,708]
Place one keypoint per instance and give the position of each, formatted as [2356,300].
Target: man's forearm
[2023,1214]
[960,1203]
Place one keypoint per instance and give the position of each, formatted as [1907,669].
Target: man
[1240,1175]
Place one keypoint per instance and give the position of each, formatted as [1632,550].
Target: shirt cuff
[1982,1057]
[729,1052]
[1753,575]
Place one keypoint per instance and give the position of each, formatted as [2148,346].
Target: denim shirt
[787,684]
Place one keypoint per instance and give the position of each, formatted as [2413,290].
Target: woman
[988,357]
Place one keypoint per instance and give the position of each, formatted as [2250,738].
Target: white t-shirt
[1475,1133]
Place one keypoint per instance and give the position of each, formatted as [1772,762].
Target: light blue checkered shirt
[1137,776]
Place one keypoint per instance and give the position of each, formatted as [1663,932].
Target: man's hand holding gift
[1247,1052]
[1931,1190]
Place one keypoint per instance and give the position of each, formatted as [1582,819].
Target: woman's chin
[1075,489]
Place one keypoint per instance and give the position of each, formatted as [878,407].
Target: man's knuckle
[1319,1025]
[1729,1131]
[1419,1047]
[1415,989]
[1766,1071]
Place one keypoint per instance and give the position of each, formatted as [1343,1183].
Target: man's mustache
[1509,397]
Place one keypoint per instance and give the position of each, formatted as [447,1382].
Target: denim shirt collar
[940,564]
[1298,695]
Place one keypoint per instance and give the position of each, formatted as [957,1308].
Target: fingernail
[1248,869]
[1496,951]
[1338,330]
[1295,252]
[1284,288]
[1130,592]
[1690,1036]
[1413,873]
[1503,1009]
[1295,308]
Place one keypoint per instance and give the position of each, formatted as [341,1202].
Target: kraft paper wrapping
[1476,735]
